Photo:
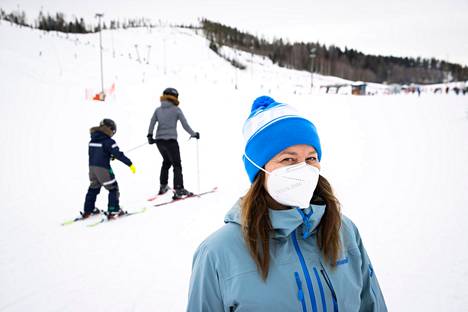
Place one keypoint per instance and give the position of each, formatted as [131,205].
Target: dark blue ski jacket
[102,148]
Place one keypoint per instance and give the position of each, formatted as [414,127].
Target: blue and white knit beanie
[271,128]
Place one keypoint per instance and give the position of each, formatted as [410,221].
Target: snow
[397,163]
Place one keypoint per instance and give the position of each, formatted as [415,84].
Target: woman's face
[293,155]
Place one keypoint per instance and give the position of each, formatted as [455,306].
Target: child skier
[101,150]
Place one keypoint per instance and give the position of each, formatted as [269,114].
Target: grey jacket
[167,116]
[225,278]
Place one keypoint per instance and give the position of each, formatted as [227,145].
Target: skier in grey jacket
[167,116]
[285,245]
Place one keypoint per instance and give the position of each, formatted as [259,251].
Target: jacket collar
[101,129]
[169,98]
[284,222]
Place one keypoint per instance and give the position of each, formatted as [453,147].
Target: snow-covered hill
[398,165]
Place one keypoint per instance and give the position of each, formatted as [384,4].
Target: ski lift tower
[312,56]
[102,95]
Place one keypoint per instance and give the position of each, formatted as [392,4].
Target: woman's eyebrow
[295,154]
[287,152]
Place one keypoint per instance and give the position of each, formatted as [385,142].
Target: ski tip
[96,223]
[68,222]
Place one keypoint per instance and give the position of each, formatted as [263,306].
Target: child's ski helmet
[109,123]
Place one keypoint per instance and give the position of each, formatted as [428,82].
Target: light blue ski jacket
[225,277]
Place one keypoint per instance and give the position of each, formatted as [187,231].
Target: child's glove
[132,167]
[112,157]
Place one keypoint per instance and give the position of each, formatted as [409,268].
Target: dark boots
[163,189]
[180,193]
[113,212]
[87,214]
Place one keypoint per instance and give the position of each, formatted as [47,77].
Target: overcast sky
[437,28]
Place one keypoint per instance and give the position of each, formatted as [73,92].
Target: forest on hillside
[333,61]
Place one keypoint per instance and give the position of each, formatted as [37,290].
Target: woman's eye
[287,160]
[311,159]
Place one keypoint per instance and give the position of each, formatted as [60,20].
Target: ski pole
[136,147]
[198,170]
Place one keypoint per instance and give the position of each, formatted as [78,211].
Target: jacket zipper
[300,292]
[310,288]
[330,286]
[322,294]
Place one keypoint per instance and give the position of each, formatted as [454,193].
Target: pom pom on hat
[272,127]
[262,102]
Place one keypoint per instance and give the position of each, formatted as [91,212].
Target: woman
[285,246]
[167,116]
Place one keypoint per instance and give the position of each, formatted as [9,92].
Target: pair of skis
[81,218]
[104,217]
[183,198]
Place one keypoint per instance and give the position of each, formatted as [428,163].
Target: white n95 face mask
[293,185]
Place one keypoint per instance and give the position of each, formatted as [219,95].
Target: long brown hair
[256,224]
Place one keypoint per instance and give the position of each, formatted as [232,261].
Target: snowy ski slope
[398,165]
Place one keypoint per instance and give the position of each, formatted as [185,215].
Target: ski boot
[163,189]
[114,213]
[181,193]
[87,214]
